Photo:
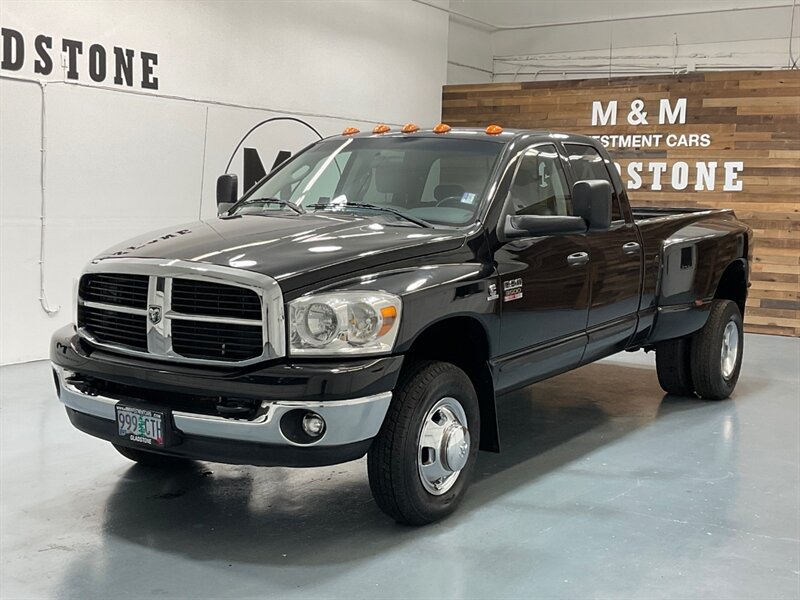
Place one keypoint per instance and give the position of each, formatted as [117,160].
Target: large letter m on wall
[601,117]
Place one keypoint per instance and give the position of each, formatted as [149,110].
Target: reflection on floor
[604,488]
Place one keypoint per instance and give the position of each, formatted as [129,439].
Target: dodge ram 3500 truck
[376,292]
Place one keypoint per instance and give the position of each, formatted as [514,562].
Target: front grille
[117,289]
[189,318]
[195,297]
[216,341]
[113,327]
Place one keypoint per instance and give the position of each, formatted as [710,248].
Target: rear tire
[421,462]
[717,352]
[152,459]
[674,368]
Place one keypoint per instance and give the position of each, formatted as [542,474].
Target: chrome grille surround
[159,334]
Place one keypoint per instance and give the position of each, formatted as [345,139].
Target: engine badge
[512,290]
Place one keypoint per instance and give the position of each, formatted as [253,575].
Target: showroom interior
[333,469]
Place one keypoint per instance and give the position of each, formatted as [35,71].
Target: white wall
[118,164]
[469,53]
[592,38]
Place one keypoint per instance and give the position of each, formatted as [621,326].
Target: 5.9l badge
[512,290]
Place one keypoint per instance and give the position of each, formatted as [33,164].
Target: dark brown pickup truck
[374,294]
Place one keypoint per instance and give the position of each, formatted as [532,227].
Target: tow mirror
[227,192]
[519,226]
[591,199]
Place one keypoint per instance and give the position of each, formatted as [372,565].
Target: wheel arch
[463,341]
[733,284]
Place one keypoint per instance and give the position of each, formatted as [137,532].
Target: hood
[290,248]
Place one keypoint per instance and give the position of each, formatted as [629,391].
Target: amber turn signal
[388,315]
[382,128]
[409,128]
[494,129]
[350,131]
[442,128]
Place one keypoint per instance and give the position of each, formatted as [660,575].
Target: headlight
[344,323]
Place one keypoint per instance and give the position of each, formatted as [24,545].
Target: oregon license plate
[141,425]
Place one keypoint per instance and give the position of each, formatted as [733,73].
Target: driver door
[544,280]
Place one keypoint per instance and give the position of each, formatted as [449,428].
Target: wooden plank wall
[750,116]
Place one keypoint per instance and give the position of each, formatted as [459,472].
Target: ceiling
[500,14]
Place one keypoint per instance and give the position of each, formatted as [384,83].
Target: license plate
[141,425]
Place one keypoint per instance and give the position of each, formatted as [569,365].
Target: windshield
[434,180]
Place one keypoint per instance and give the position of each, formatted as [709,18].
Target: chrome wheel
[730,349]
[443,447]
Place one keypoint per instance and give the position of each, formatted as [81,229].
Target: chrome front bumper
[347,421]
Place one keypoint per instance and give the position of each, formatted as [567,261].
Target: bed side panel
[685,257]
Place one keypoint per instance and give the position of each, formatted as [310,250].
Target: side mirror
[591,199]
[532,225]
[227,192]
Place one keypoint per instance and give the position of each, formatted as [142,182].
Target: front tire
[152,459]
[421,462]
[717,352]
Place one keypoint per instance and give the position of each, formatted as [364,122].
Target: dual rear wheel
[708,362]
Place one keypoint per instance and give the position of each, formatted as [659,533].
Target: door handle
[577,259]
[631,248]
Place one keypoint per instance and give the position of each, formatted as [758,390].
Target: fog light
[313,424]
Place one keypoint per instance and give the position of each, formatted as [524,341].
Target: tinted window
[588,164]
[539,186]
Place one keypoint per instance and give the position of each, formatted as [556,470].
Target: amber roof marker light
[409,128]
[494,130]
[442,128]
[381,128]
[351,131]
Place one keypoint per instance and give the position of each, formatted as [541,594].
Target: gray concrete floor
[604,489]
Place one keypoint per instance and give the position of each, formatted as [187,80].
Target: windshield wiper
[285,203]
[368,206]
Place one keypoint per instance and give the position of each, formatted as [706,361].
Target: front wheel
[717,352]
[421,462]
